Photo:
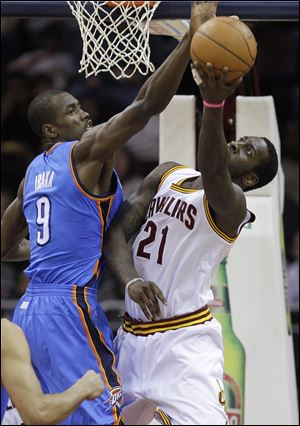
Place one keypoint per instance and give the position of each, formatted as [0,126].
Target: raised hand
[212,88]
[201,13]
[147,294]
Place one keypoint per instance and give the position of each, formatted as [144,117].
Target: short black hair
[266,170]
[42,110]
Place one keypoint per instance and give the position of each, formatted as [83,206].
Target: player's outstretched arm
[226,198]
[24,389]
[129,219]
[98,143]
[14,246]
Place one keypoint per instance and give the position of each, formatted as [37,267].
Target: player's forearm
[19,253]
[212,154]
[128,221]
[162,86]
[119,258]
[52,408]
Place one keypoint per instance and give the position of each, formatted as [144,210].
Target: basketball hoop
[115,36]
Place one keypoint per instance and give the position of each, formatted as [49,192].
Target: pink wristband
[209,105]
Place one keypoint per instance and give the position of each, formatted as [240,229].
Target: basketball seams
[220,69]
[223,47]
[239,32]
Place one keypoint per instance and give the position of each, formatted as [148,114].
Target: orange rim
[130,3]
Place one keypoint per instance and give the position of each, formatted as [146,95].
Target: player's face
[71,120]
[245,154]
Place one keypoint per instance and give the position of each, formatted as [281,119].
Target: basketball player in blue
[66,202]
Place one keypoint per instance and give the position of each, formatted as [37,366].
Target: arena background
[44,53]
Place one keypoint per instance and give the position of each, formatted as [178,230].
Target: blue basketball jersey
[66,222]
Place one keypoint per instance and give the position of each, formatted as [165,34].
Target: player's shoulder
[162,169]
[153,179]
[168,166]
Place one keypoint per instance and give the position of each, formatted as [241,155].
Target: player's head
[56,116]
[253,162]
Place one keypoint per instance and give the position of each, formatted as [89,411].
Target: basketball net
[115,36]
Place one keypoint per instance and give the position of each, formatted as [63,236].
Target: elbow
[154,103]
[44,415]
[39,413]
[148,108]
[37,417]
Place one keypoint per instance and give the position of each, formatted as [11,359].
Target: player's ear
[49,131]
[250,180]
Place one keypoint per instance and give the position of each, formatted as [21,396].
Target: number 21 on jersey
[152,229]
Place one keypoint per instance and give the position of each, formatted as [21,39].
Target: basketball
[225,42]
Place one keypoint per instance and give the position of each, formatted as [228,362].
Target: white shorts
[179,370]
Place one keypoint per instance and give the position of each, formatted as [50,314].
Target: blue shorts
[4,401]
[68,334]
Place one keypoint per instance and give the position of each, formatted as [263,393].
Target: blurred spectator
[14,38]
[15,157]
[14,101]
[6,198]
[51,60]
[40,83]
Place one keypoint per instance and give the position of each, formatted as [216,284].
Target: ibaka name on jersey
[173,207]
[44,180]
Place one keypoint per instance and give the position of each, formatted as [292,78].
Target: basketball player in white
[170,348]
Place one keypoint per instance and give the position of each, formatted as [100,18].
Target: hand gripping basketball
[214,89]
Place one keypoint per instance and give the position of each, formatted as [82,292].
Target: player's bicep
[101,141]
[17,373]
[129,219]
[20,381]
[131,215]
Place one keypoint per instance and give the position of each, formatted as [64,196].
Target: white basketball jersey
[179,247]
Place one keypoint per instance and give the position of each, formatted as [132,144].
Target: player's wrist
[214,104]
[130,282]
